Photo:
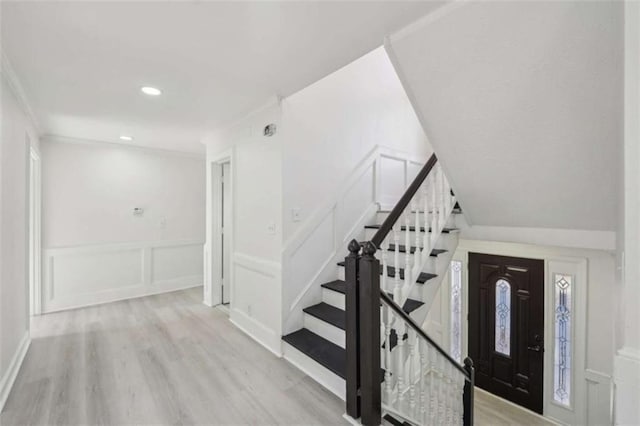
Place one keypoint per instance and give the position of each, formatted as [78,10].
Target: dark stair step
[395,422]
[340,286]
[327,313]
[413,228]
[412,249]
[422,278]
[322,351]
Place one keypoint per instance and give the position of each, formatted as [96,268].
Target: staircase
[409,248]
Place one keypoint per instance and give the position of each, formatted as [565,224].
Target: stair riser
[320,374]
[333,298]
[324,329]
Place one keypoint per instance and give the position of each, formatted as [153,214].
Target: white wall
[330,176]
[256,168]
[95,248]
[17,133]
[331,125]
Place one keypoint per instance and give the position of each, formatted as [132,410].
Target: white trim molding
[10,76]
[257,318]
[9,377]
[50,138]
[327,231]
[88,275]
[627,386]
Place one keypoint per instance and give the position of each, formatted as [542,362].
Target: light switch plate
[295,215]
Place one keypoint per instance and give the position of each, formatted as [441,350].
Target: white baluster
[417,261]
[433,388]
[412,371]
[434,209]
[407,262]
[442,407]
[423,381]
[385,248]
[443,212]
[388,365]
[397,289]
[399,350]
[426,240]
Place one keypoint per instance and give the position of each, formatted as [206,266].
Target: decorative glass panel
[503,317]
[455,276]
[562,353]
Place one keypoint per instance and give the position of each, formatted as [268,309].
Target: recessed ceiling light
[126,138]
[151,91]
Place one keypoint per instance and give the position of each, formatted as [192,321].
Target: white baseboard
[133,293]
[257,331]
[9,378]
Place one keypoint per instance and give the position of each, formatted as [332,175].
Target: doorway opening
[218,288]
[225,232]
[506,327]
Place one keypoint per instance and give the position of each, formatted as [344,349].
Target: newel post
[370,371]
[467,397]
[352,332]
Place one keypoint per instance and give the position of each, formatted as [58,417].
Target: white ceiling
[523,102]
[81,63]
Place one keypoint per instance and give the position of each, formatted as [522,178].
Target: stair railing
[392,364]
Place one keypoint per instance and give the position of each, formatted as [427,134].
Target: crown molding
[49,138]
[11,78]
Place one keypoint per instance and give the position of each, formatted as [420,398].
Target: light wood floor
[168,359]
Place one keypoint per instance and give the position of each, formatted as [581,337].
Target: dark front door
[506,326]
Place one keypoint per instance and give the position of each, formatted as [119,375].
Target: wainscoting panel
[88,275]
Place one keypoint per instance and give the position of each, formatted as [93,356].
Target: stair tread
[413,228]
[422,278]
[324,352]
[395,422]
[327,313]
[340,286]
[402,249]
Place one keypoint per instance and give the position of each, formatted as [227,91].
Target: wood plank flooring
[168,359]
[165,359]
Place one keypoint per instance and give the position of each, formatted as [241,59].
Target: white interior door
[226,232]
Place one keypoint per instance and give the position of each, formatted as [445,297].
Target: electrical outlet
[249,310]
[295,215]
[163,223]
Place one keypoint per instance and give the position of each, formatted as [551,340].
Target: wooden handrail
[406,318]
[395,214]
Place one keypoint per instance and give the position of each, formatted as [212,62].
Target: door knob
[536,348]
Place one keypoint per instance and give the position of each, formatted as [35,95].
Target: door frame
[555,261]
[213,246]
[35,235]
[532,284]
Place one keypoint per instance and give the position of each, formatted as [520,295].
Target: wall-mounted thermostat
[138,211]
